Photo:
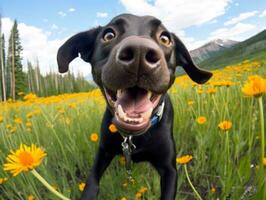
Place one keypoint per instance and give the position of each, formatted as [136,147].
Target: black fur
[156,145]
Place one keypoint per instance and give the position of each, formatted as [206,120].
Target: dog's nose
[138,54]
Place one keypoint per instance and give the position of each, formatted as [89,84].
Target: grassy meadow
[225,164]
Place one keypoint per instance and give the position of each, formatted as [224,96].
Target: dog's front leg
[101,162]
[168,182]
[168,176]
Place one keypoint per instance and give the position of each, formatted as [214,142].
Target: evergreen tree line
[14,81]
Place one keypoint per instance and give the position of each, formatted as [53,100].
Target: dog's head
[133,61]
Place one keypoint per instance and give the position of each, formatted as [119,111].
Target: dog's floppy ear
[82,43]
[183,59]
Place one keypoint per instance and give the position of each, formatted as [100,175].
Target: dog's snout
[152,56]
[138,54]
[126,55]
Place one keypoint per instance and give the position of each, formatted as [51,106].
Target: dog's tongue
[134,101]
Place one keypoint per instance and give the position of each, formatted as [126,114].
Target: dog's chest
[142,150]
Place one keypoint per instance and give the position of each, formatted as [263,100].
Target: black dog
[133,62]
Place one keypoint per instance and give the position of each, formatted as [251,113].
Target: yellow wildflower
[213,189]
[61,110]
[190,102]
[264,162]
[82,186]
[225,125]
[143,189]
[200,91]
[211,90]
[8,126]
[255,86]
[123,198]
[94,137]
[112,128]
[201,120]
[24,159]
[138,195]
[1,119]
[72,105]
[13,130]
[28,124]
[29,115]
[184,159]
[30,97]
[31,197]
[2,180]
[18,120]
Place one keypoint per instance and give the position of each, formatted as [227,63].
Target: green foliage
[15,72]
[19,82]
[2,68]
[229,166]
[54,83]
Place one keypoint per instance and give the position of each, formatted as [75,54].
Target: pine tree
[14,65]
[30,77]
[37,77]
[2,64]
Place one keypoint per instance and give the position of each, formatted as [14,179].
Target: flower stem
[47,185]
[262,129]
[228,152]
[191,185]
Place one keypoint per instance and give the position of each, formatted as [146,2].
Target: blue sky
[45,25]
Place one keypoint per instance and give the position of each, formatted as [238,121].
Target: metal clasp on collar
[128,147]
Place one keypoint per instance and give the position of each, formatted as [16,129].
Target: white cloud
[240,17]
[236,4]
[62,14]
[71,10]
[263,14]
[195,44]
[54,26]
[178,14]
[36,44]
[213,21]
[102,14]
[238,32]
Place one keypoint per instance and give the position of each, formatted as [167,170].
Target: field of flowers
[217,125]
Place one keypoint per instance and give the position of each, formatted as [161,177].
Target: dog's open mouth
[132,108]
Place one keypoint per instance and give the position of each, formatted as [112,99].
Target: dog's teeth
[147,114]
[121,112]
[149,94]
[123,116]
[119,93]
[140,120]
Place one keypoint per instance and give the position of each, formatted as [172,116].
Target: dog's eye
[165,39]
[108,35]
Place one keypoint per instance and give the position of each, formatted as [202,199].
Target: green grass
[70,153]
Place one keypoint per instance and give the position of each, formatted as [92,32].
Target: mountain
[211,48]
[253,48]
